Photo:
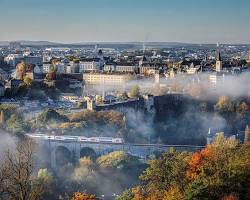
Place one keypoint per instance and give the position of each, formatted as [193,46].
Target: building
[249,58]
[218,64]
[47,67]
[215,79]
[126,68]
[2,89]
[90,65]
[69,97]
[35,60]
[13,84]
[193,69]
[74,67]
[60,68]
[13,59]
[109,79]
[109,67]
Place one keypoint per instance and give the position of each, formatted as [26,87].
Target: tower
[91,104]
[218,63]
[209,137]
[157,77]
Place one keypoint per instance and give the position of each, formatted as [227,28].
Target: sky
[72,21]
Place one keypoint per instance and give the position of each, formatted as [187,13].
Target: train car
[105,139]
[35,135]
[83,139]
[59,137]
[93,139]
[69,138]
[49,137]
[117,140]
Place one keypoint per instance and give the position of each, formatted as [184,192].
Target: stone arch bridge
[75,150]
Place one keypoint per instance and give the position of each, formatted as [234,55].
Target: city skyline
[125,21]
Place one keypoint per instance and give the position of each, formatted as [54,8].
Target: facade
[74,67]
[35,60]
[109,67]
[13,59]
[147,69]
[215,79]
[88,65]
[46,68]
[60,68]
[109,79]
[126,68]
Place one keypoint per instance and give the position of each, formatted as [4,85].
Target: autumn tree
[224,104]
[83,196]
[16,173]
[117,160]
[230,197]
[165,173]
[134,92]
[27,80]
[221,168]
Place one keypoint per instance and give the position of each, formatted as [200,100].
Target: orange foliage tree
[230,197]
[83,196]
[194,165]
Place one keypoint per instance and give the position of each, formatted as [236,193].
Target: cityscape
[111,104]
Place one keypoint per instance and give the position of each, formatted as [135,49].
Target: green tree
[197,190]
[16,124]
[165,173]
[126,195]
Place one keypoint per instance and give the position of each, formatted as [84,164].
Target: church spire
[218,56]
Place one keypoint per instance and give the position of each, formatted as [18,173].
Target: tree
[165,173]
[16,173]
[173,193]
[230,197]
[15,124]
[134,92]
[2,118]
[83,196]
[27,80]
[224,104]
[99,99]
[50,115]
[85,172]
[117,160]
[247,134]
[126,195]
[122,96]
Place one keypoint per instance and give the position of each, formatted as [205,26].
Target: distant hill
[30,43]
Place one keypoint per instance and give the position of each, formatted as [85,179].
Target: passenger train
[68,138]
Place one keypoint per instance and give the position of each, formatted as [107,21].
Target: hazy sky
[199,21]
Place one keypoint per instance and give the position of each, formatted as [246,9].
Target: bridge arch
[63,156]
[88,152]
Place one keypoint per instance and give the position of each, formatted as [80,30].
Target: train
[69,138]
